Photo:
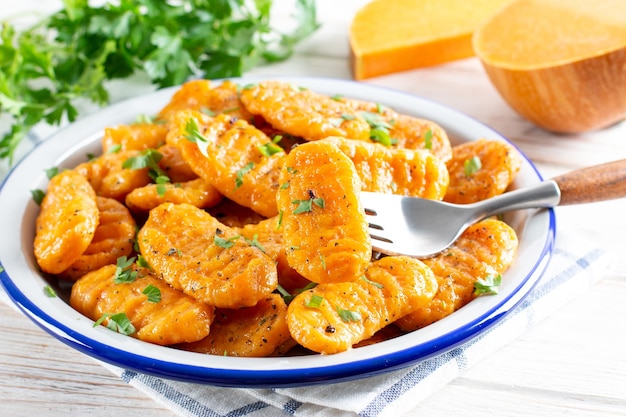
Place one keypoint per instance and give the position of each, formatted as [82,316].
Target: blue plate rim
[291,377]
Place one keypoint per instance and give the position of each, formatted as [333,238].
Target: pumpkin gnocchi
[233,225]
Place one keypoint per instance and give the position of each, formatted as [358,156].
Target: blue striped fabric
[572,269]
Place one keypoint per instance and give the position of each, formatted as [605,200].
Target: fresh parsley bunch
[72,53]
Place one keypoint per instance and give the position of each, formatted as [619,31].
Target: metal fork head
[408,226]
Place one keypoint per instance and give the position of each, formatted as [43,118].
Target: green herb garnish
[306,206]
[241,172]
[315,301]
[225,243]
[117,322]
[348,315]
[487,286]
[472,165]
[153,293]
[124,273]
[52,172]
[428,139]
[38,195]
[70,56]
[49,291]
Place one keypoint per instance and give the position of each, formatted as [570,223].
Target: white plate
[67,148]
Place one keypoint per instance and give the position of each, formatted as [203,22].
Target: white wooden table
[573,363]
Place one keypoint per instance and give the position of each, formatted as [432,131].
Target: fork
[423,228]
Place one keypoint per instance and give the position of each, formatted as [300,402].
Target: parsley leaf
[70,55]
[241,172]
[315,301]
[305,206]
[49,291]
[348,315]
[471,166]
[38,195]
[123,272]
[153,293]
[225,243]
[487,286]
[118,322]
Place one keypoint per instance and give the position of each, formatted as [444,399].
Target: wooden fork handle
[596,183]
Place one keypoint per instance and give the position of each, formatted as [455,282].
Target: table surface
[572,363]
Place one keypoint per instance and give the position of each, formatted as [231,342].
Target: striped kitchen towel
[574,266]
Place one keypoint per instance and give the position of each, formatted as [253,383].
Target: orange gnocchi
[201,257]
[232,225]
[66,223]
[324,226]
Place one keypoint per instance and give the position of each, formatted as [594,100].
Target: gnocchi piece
[114,237]
[109,178]
[270,236]
[196,192]
[405,131]
[171,318]
[332,318]
[303,113]
[235,157]
[485,249]
[255,331]
[135,137]
[66,223]
[198,255]
[324,226]
[206,96]
[480,170]
[395,171]
[232,214]
[173,164]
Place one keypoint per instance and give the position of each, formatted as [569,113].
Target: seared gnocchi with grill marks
[66,223]
[113,238]
[303,113]
[480,170]
[395,171]
[483,252]
[323,221]
[171,319]
[255,331]
[233,156]
[331,318]
[201,257]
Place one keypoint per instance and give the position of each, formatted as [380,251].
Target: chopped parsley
[149,158]
[376,284]
[114,149]
[124,273]
[379,128]
[52,172]
[38,195]
[255,242]
[241,172]
[49,291]
[315,301]
[193,134]
[348,315]
[487,286]
[117,322]
[471,166]
[153,293]
[271,148]
[306,206]
[142,262]
[225,243]
[428,139]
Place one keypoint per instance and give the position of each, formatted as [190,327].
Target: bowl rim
[142,357]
